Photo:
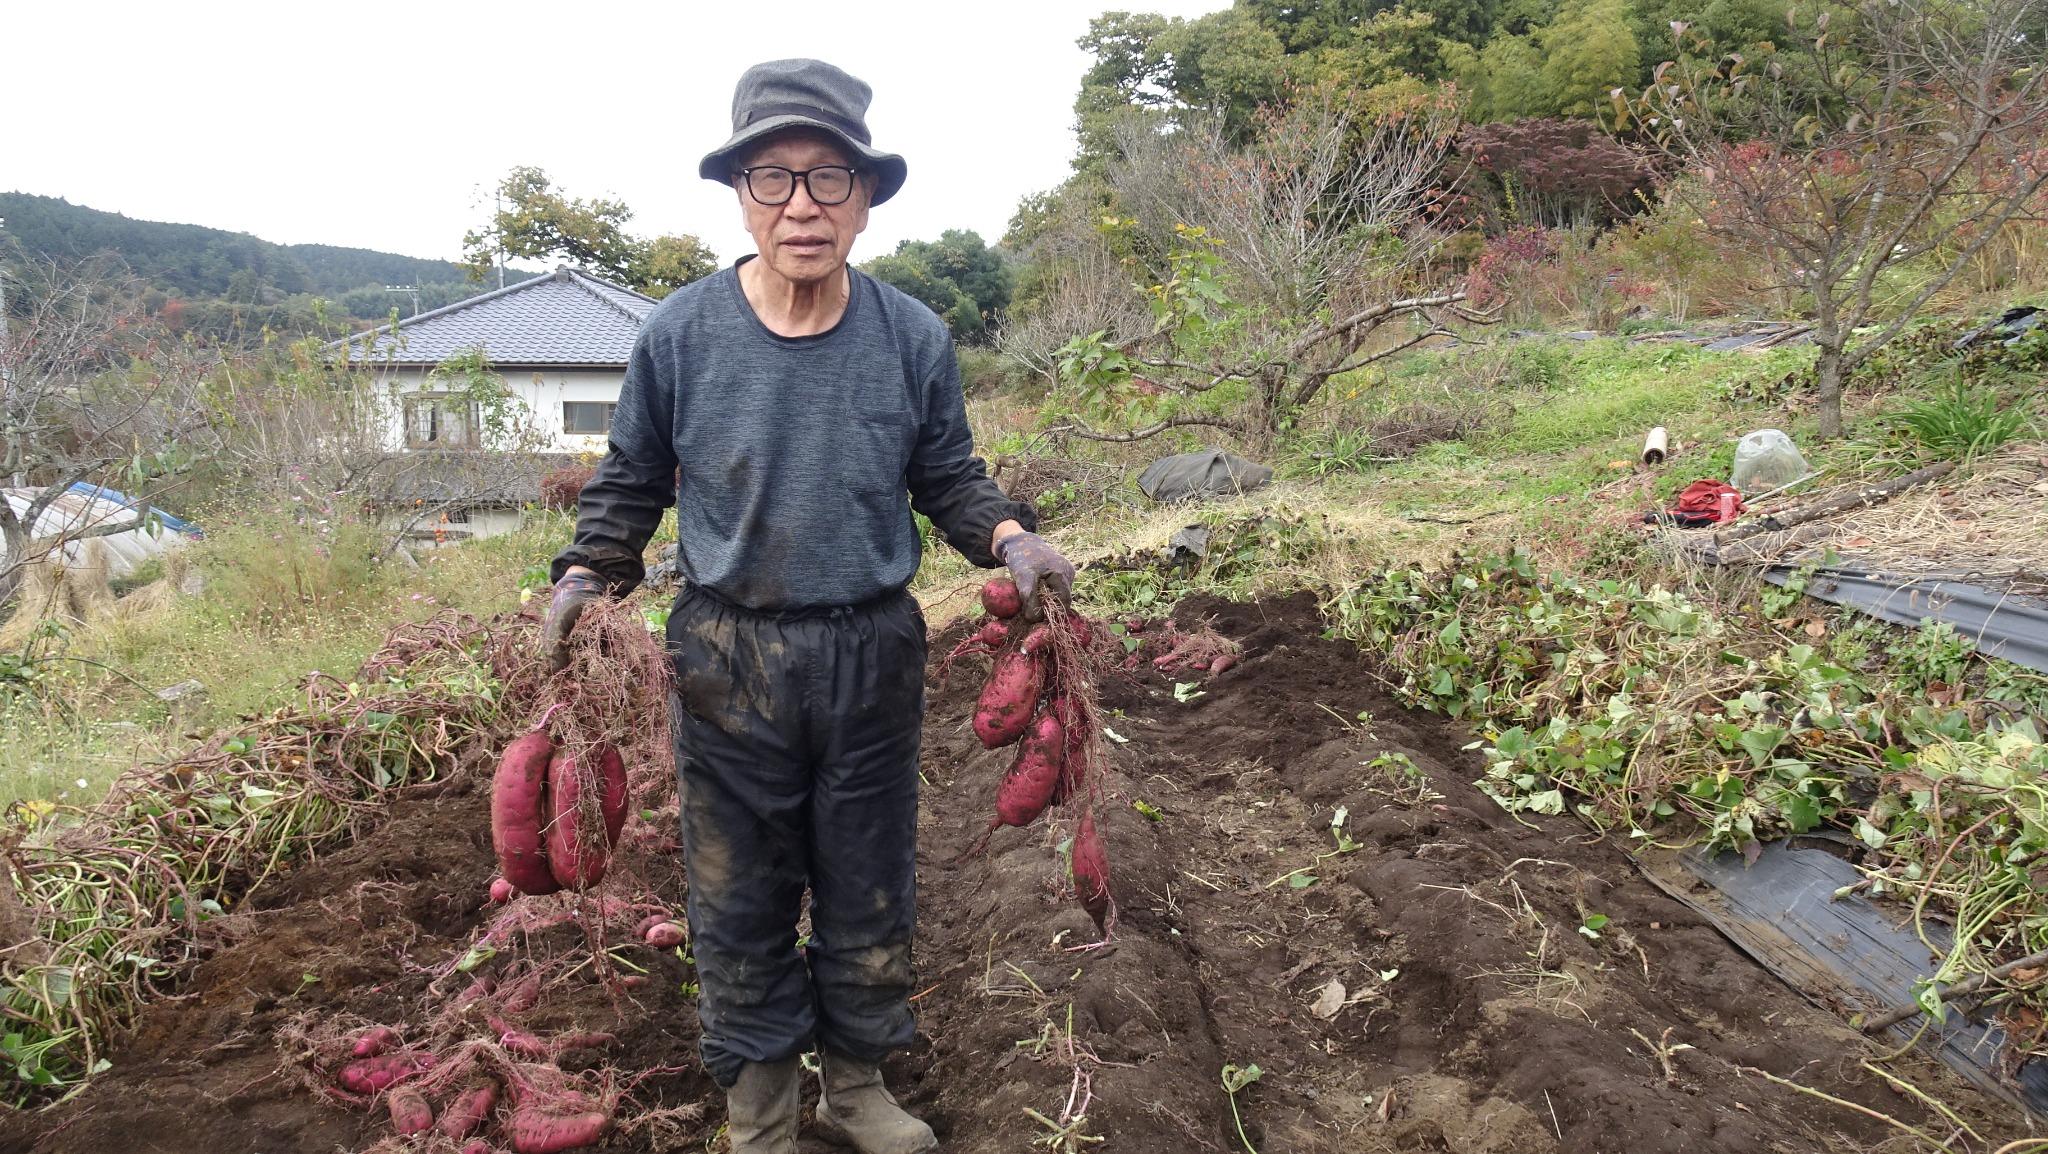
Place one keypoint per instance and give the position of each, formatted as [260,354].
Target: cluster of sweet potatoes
[1039,698]
[457,1101]
[556,813]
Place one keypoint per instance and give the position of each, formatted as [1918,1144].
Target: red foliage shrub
[560,488]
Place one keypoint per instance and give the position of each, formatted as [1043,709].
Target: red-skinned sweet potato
[665,935]
[1028,788]
[574,862]
[477,1146]
[374,1041]
[1223,663]
[469,1110]
[410,1113]
[1000,597]
[1074,757]
[522,995]
[1091,869]
[375,1075]
[551,1126]
[501,891]
[518,809]
[1011,695]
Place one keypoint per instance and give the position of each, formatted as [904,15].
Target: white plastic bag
[1765,460]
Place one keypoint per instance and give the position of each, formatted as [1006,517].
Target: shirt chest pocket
[879,443]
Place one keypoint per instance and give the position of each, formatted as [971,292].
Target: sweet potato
[1007,701]
[501,891]
[523,1043]
[477,1146]
[518,807]
[651,921]
[1223,663]
[469,1111]
[410,1113]
[566,1123]
[524,995]
[1001,599]
[572,859]
[1074,756]
[375,1075]
[1091,869]
[665,935]
[374,1041]
[1028,788]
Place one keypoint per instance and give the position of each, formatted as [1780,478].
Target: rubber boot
[855,1109]
[762,1108]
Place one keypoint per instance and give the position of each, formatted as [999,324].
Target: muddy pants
[796,742]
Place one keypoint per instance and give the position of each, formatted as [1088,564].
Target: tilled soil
[1422,983]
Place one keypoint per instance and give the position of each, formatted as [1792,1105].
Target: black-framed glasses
[773,184]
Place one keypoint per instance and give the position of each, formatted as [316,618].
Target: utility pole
[497,212]
[412,289]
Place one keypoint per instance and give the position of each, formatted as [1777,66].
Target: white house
[560,342]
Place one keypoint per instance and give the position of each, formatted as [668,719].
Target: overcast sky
[262,118]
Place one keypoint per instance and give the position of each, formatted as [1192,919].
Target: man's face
[802,240]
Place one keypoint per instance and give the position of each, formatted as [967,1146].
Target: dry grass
[1988,521]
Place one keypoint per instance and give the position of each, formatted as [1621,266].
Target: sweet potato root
[469,1110]
[410,1113]
[575,858]
[1028,788]
[374,1041]
[1001,599]
[549,1126]
[1091,870]
[375,1075]
[518,808]
[1011,695]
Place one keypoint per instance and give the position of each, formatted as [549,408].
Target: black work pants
[796,741]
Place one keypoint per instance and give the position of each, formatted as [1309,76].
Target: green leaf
[1761,741]
[1301,881]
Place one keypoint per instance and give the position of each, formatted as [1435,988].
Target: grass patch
[84,706]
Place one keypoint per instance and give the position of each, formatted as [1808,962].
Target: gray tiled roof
[567,318]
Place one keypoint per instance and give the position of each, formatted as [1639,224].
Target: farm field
[1420,983]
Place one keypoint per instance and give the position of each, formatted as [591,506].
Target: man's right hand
[573,593]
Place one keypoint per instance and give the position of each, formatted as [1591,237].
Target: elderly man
[802,400]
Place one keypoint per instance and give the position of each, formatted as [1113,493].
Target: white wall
[542,392]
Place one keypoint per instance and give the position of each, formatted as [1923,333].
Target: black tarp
[1848,955]
[1209,473]
[2008,625]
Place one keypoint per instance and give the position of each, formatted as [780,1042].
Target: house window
[593,417]
[434,421]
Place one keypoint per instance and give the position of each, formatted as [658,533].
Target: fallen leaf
[1858,543]
[1620,464]
[1815,628]
[1329,1000]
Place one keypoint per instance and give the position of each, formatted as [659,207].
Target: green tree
[1588,52]
[667,263]
[957,276]
[537,221]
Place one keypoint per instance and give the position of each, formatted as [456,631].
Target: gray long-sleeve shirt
[788,458]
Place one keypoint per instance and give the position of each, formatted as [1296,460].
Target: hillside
[222,283]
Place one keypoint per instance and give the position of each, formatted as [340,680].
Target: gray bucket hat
[810,94]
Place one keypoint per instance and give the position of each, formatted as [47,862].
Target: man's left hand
[1038,569]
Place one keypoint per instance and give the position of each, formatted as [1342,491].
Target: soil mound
[1429,974]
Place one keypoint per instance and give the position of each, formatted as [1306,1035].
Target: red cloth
[1704,497]
[1699,505]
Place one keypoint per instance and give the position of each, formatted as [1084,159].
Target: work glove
[573,593]
[1038,569]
